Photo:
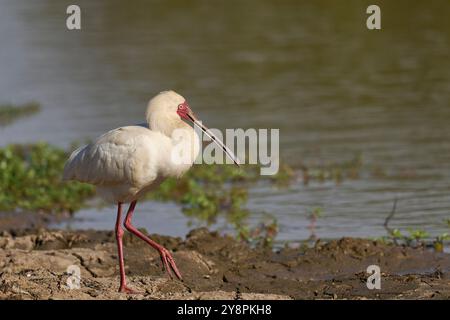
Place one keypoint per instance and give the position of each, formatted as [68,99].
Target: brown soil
[33,265]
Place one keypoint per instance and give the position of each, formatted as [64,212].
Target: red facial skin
[184,111]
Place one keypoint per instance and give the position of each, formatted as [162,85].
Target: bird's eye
[180,107]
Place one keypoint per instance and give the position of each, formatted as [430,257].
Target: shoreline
[15,222]
[33,265]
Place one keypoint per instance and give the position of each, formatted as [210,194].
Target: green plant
[414,237]
[397,234]
[208,190]
[316,213]
[284,176]
[447,222]
[9,112]
[417,234]
[262,235]
[30,179]
[438,243]
[333,171]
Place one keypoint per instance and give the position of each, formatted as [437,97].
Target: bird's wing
[122,155]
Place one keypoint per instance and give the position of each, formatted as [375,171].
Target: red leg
[119,235]
[166,258]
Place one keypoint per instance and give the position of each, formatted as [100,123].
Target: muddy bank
[29,220]
[33,265]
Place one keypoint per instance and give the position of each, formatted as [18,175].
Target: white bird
[127,162]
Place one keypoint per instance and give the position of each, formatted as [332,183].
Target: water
[311,69]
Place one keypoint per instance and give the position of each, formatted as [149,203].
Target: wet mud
[34,265]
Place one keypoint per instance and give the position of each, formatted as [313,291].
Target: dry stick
[388,218]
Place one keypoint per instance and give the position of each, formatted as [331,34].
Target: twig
[388,218]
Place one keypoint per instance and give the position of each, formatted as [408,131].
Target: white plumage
[127,162]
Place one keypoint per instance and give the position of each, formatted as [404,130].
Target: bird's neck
[185,147]
[166,124]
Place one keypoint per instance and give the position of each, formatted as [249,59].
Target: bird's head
[166,112]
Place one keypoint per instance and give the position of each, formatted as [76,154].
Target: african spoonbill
[127,162]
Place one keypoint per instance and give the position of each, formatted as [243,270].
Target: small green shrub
[30,179]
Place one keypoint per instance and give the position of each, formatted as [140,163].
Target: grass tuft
[30,179]
[10,113]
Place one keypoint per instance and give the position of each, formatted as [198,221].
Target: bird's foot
[169,263]
[127,290]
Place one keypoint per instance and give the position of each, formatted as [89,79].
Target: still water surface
[310,68]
